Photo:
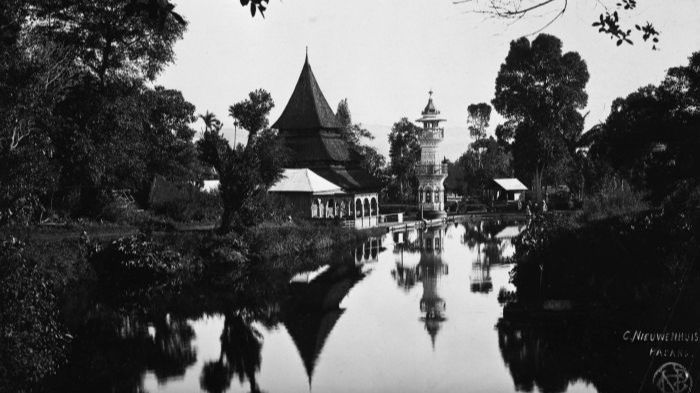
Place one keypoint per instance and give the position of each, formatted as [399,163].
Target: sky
[385,55]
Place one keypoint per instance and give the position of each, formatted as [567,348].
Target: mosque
[324,179]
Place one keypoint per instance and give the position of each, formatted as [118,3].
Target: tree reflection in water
[174,351]
[241,344]
[551,353]
[112,351]
[120,338]
[308,310]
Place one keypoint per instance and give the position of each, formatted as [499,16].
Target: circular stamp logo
[672,377]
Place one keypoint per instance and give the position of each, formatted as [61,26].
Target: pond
[413,311]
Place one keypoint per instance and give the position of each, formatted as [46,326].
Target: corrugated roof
[511,184]
[307,107]
[304,180]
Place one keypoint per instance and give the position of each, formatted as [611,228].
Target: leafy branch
[609,23]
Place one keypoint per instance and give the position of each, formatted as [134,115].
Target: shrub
[301,236]
[33,342]
[220,254]
[636,259]
[613,199]
[135,260]
[195,205]
[120,213]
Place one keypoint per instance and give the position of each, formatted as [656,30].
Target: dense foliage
[33,342]
[633,260]
[404,151]
[651,136]
[79,118]
[474,171]
[540,91]
[356,136]
[134,261]
[245,172]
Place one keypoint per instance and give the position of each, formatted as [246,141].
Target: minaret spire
[431,172]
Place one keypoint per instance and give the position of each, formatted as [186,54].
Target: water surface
[412,311]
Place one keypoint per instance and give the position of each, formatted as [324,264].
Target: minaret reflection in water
[428,271]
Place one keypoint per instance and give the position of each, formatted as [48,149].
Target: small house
[508,190]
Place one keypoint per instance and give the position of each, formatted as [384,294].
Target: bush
[135,260]
[621,261]
[220,254]
[614,199]
[193,206]
[116,212]
[299,237]
[33,341]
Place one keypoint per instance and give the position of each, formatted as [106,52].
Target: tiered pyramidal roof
[312,135]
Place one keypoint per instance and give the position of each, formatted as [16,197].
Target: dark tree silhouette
[404,151]
[245,172]
[478,121]
[241,345]
[372,160]
[651,136]
[540,91]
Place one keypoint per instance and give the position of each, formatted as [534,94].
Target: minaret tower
[432,170]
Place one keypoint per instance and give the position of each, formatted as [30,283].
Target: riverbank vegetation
[46,283]
[635,245]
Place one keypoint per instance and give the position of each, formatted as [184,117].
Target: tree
[651,136]
[245,172]
[251,113]
[540,92]
[404,151]
[34,342]
[608,23]
[211,123]
[34,78]
[78,119]
[475,169]
[168,137]
[478,121]
[354,134]
[113,38]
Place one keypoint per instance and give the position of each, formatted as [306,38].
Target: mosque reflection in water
[428,271]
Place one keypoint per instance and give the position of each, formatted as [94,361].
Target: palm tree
[236,123]
[211,123]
